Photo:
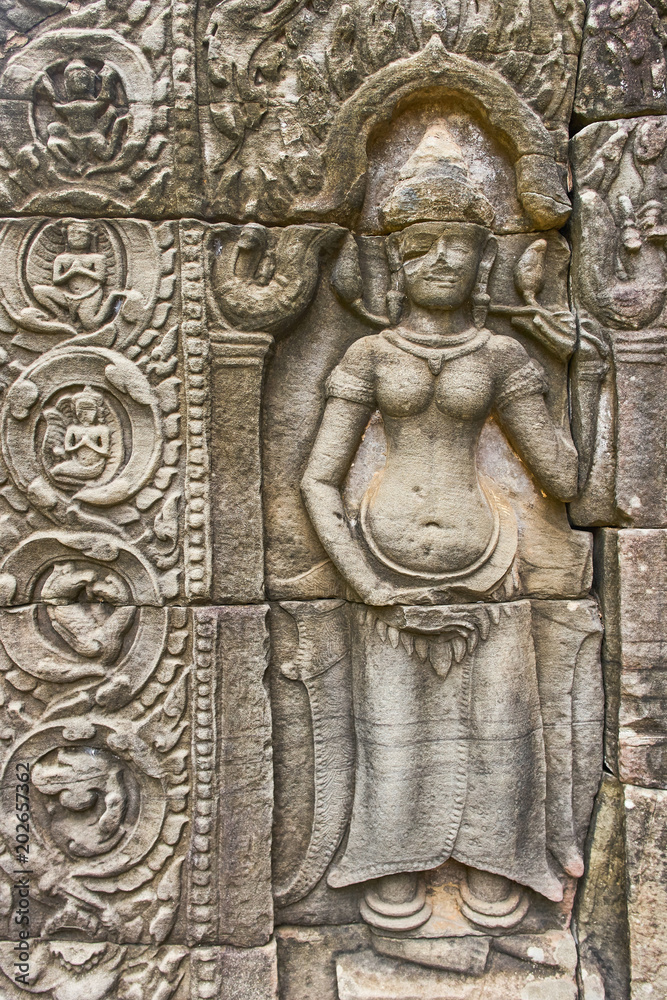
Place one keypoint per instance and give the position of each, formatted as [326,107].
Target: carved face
[78,237]
[86,411]
[79,81]
[444,276]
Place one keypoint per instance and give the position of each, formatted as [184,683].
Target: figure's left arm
[562,465]
[547,450]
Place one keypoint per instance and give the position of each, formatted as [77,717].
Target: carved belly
[431,538]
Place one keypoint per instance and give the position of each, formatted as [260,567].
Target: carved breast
[463,390]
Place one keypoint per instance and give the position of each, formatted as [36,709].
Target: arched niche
[436,74]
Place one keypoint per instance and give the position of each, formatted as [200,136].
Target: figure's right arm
[61,268]
[348,409]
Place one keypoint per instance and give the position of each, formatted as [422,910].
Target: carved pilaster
[237,372]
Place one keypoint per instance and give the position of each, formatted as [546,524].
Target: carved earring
[480,295]
[347,283]
[396,294]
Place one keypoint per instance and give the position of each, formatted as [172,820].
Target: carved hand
[554,330]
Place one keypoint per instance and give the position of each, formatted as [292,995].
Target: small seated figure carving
[78,297]
[79,279]
[83,442]
[89,126]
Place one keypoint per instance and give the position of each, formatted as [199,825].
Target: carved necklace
[435,357]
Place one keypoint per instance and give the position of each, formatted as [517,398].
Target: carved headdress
[434,186]
[88,398]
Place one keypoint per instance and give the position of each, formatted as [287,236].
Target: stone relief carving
[622,69]
[619,289]
[403,690]
[88,100]
[102,969]
[90,418]
[375,390]
[261,282]
[109,780]
[298,81]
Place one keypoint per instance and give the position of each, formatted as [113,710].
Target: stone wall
[333,500]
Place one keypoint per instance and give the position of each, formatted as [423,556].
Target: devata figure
[465,742]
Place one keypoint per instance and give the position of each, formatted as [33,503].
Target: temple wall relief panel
[332,499]
[387,630]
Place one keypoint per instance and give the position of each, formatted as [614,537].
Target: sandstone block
[646,838]
[631,567]
[622,65]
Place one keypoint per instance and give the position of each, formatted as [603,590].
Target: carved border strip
[187,161]
[195,347]
[202,900]
[203,974]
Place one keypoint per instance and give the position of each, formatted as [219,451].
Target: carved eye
[414,253]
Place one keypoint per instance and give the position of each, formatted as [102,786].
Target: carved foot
[467,955]
[491,901]
[396,903]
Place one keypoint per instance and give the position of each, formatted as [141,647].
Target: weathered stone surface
[99,970]
[622,68]
[116,377]
[367,976]
[98,109]
[60,970]
[297,381]
[619,289]
[318,648]
[101,751]
[631,570]
[261,282]
[244,803]
[646,840]
[431,703]
[246,974]
[307,958]
[601,909]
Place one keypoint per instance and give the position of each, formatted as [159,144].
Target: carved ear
[480,296]
[396,294]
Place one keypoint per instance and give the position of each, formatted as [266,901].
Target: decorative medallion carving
[90,419]
[99,443]
[88,97]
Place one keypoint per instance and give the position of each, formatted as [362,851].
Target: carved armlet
[343,385]
[525,381]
